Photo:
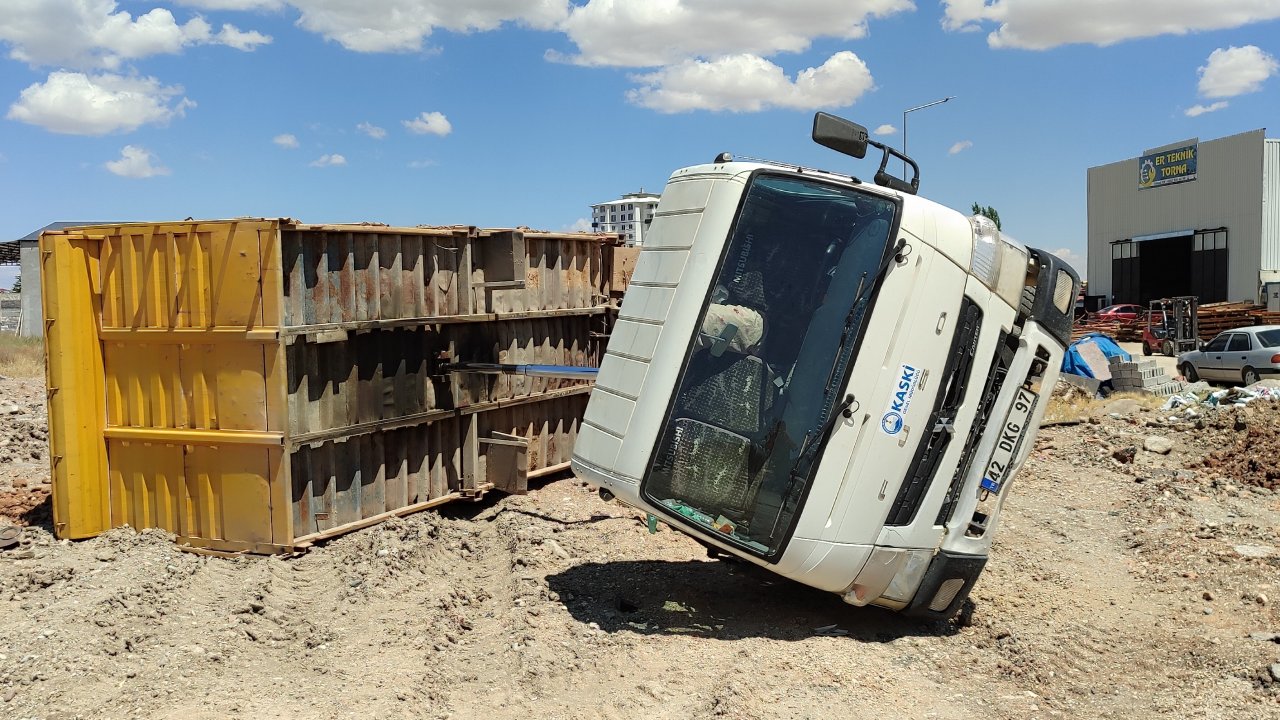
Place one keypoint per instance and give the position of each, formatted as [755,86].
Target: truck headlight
[999,261]
[1063,292]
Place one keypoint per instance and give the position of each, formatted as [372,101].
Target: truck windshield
[763,371]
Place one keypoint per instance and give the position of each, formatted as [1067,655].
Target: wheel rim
[1189,372]
[1167,348]
[1250,377]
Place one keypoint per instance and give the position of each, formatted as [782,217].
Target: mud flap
[946,585]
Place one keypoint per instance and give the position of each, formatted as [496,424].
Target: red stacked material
[1219,317]
[1087,325]
[1121,330]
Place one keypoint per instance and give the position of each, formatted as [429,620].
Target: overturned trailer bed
[257,385]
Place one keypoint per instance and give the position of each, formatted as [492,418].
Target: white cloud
[1198,110]
[886,129]
[79,104]
[372,130]
[1235,71]
[432,123]
[87,34]
[580,225]
[1073,258]
[1042,24]
[401,25]
[749,83]
[960,147]
[286,140]
[648,33]
[420,164]
[232,4]
[329,161]
[136,162]
[234,37]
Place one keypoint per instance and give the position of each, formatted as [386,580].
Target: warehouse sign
[1168,167]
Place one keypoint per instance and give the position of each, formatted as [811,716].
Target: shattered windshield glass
[756,380]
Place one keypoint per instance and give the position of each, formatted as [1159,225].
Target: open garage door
[1191,263]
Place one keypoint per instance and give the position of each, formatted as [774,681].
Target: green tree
[17,283]
[988,212]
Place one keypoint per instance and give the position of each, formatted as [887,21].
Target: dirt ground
[1124,583]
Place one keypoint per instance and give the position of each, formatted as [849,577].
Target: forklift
[1172,326]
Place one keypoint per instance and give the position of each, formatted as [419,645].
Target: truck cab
[833,379]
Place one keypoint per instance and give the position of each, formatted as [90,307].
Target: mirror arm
[884,179]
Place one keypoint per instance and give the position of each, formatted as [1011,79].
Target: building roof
[9,250]
[630,199]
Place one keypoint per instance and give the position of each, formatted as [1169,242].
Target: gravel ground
[1125,582]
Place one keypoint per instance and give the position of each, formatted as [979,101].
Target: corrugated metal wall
[1271,207]
[1227,192]
[267,383]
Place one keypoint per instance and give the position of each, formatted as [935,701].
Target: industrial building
[628,216]
[26,253]
[1187,218]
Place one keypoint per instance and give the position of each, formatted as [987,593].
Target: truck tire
[1166,348]
[1146,349]
[1028,301]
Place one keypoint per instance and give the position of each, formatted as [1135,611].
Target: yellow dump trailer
[257,385]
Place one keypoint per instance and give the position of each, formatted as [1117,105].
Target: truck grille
[995,381]
[955,381]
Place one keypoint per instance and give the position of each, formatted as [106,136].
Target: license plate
[1011,436]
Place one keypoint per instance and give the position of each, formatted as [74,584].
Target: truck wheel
[1028,302]
[1189,372]
[1146,349]
[1167,348]
[1250,376]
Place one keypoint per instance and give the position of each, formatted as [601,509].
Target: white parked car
[1246,355]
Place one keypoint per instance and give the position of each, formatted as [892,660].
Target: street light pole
[904,124]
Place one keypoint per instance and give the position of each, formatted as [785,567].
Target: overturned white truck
[832,379]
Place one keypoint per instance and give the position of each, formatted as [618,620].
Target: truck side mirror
[840,135]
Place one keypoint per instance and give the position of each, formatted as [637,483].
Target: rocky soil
[1136,573]
[24,448]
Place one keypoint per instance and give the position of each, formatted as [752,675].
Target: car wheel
[1146,349]
[1250,376]
[1189,372]
[1167,348]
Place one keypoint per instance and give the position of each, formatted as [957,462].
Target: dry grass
[1079,405]
[21,357]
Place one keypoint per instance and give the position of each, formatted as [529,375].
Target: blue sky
[524,112]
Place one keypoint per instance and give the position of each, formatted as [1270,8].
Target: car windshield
[756,384]
[1269,338]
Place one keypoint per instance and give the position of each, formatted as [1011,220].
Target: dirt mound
[1251,456]
[1115,590]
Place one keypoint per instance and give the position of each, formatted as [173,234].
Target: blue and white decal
[893,419]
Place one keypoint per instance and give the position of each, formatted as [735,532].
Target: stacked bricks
[1143,376]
